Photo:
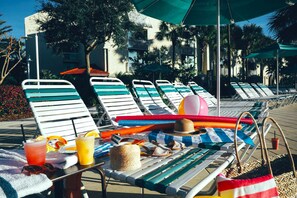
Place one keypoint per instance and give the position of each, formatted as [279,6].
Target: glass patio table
[67,182]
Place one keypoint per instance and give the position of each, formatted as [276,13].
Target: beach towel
[258,187]
[16,184]
[212,135]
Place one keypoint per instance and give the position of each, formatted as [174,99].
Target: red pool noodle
[190,117]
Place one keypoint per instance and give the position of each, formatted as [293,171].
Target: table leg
[103,181]
[59,188]
[72,186]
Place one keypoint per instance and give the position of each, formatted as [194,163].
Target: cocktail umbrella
[208,12]
[275,51]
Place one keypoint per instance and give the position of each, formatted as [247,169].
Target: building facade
[105,57]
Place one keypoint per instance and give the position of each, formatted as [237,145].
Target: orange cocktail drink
[85,149]
[35,151]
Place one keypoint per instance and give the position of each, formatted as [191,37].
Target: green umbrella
[206,12]
[275,51]
[156,68]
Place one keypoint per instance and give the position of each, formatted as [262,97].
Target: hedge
[13,104]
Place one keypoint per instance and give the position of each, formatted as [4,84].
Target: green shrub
[13,104]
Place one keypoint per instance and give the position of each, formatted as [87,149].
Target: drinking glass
[85,149]
[35,151]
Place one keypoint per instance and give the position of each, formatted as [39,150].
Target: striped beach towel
[212,135]
[259,187]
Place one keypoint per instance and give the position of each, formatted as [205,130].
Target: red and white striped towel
[259,187]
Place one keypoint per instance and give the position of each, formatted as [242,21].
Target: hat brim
[174,133]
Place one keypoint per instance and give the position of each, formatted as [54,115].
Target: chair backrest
[259,90]
[249,90]
[54,103]
[239,91]
[265,89]
[149,97]
[170,93]
[183,89]
[114,97]
[200,91]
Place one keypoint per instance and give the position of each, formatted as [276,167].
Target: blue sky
[14,12]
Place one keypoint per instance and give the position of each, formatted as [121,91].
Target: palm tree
[170,32]
[4,29]
[203,35]
[253,39]
[284,24]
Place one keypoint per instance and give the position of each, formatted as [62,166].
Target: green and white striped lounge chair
[54,103]
[183,89]
[259,90]
[274,101]
[224,103]
[149,98]
[200,91]
[114,97]
[249,90]
[265,89]
[186,172]
[239,91]
[229,107]
[170,93]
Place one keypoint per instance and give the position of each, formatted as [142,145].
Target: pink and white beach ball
[193,105]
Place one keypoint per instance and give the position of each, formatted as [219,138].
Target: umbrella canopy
[94,72]
[155,68]
[275,51]
[208,12]
[204,12]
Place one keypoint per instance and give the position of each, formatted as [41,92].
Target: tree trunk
[198,55]
[88,64]
[243,65]
[261,71]
[229,55]
[173,53]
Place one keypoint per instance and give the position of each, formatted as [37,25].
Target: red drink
[35,152]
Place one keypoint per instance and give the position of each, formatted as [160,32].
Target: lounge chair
[274,100]
[249,90]
[55,103]
[259,90]
[228,108]
[183,89]
[224,103]
[170,93]
[265,89]
[149,98]
[186,172]
[200,91]
[114,97]
[239,91]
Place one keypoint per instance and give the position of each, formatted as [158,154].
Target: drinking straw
[190,117]
[72,120]
[23,132]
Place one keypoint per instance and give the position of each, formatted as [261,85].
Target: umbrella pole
[37,57]
[277,73]
[218,60]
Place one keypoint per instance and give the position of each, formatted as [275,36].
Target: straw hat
[184,127]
